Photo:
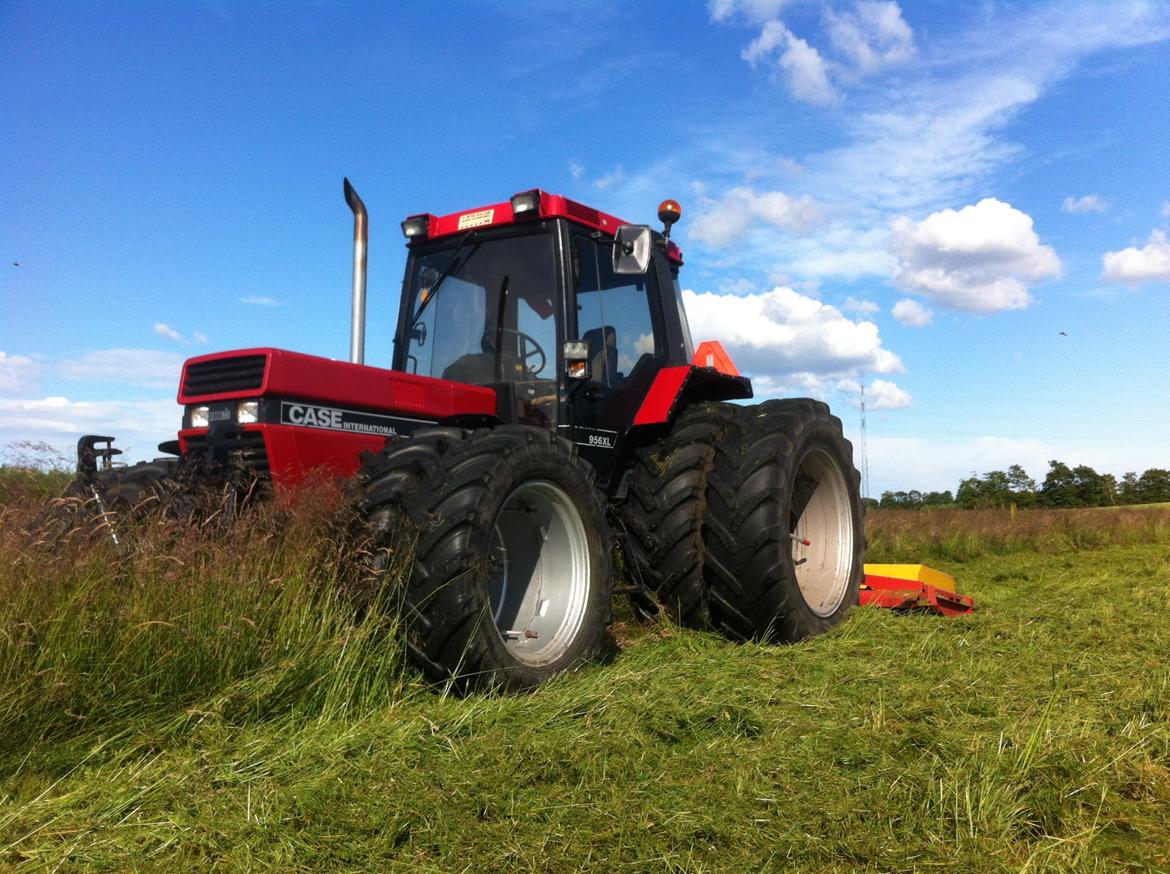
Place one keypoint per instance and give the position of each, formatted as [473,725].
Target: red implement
[913,587]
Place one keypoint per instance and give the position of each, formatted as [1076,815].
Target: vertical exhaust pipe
[361,237]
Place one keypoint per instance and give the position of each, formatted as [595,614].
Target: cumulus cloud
[885,395]
[979,258]
[782,333]
[873,36]
[856,305]
[729,218]
[165,330]
[1082,205]
[141,368]
[17,373]
[1151,263]
[880,394]
[260,300]
[912,314]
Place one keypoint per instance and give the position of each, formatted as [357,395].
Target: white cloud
[1166,209]
[881,394]
[616,177]
[142,368]
[1151,263]
[864,307]
[728,219]
[17,373]
[1082,205]
[199,337]
[752,11]
[165,330]
[979,258]
[912,314]
[885,395]
[576,170]
[260,300]
[782,334]
[805,72]
[59,421]
[873,36]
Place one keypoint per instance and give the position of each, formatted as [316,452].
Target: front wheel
[512,579]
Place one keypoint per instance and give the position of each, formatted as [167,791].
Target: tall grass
[266,616]
[963,535]
[215,698]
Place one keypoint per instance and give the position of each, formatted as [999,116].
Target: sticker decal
[476,219]
[598,438]
[339,419]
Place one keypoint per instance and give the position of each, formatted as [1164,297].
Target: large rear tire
[785,557]
[512,576]
[665,512]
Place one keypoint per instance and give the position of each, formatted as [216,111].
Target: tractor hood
[277,373]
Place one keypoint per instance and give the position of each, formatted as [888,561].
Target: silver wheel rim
[821,526]
[538,577]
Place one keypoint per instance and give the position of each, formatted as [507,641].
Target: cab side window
[613,314]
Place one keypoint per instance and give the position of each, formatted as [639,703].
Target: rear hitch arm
[88,453]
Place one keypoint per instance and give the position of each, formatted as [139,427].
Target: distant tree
[1153,486]
[870,503]
[968,493]
[1023,486]
[1060,486]
[1110,483]
[1127,492]
[938,499]
[1092,490]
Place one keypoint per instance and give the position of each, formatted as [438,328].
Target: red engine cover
[326,403]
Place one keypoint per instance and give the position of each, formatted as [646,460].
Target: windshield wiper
[447,270]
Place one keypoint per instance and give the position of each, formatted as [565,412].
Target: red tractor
[545,419]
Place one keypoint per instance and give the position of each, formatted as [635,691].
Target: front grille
[245,373]
[245,448]
[585,213]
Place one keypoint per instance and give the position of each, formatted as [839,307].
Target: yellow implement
[909,586]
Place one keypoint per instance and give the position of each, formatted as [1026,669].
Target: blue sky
[961,207]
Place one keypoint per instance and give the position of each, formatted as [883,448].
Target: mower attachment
[913,587]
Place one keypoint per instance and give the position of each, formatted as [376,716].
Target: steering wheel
[529,349]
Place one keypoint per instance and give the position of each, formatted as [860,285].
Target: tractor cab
[568,314]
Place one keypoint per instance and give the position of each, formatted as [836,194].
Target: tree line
[1063,487]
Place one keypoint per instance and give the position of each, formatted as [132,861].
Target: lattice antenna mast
[864,449]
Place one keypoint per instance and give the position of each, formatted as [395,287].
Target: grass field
[209,701]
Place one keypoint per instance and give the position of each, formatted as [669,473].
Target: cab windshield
[481,311]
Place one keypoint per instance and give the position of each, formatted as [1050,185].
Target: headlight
[248,412]
[200,417]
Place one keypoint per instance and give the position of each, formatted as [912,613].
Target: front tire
[512,577]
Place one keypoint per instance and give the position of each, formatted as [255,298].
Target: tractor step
[913,587]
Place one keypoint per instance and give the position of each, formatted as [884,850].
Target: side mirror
[576,353]
[631,250]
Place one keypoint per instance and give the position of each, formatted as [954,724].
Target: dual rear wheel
[748,520]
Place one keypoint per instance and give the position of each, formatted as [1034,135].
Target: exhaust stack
[361,237]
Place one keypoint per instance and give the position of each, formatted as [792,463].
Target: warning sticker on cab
[476,219]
